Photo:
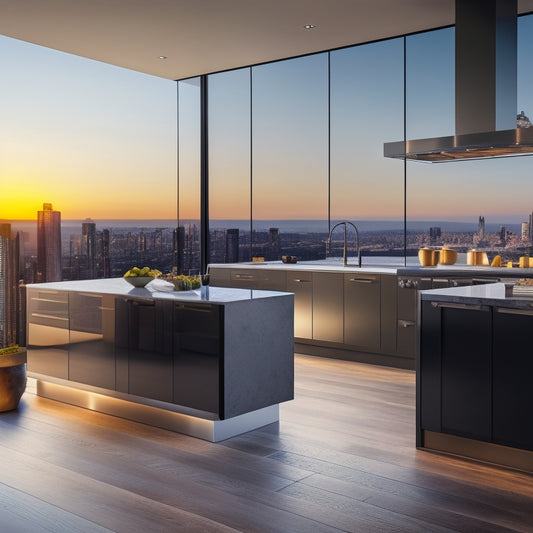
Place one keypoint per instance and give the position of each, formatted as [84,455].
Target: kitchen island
[210,365]
[474,395]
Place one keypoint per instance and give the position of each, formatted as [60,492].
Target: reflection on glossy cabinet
[301,284]
[362,310]
[328,307]
[91,354]
[197,352]
[48,332]
[512,370]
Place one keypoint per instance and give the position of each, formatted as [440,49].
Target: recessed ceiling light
[309,26]
[162,57]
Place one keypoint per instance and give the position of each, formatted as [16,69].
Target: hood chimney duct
[485,65]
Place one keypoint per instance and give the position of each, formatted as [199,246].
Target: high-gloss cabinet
[91,345]
[197,355]
[362,310]
[512,373]
[328,305]
[466,370]
[258,278]
[48,332]
[301,284]
[474,373]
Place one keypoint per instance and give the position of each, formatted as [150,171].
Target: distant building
[503,235]
[231,254]
[88,247]
[48,244]
[106,260]
[9,268]
[434,235]
[481,228]
[274,245]
[525,231]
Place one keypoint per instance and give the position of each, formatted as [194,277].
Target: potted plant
[12,376]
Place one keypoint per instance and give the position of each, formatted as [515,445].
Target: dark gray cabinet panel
[48,332]
[91,350]
[328,304]
[150,350]
[430,368]
[301,284]
[197,355]
[362,310]
[512,375]
[466,343]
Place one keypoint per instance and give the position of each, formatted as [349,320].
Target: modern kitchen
[382,387]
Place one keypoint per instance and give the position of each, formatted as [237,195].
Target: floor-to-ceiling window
[97,145]
[290,157]
[366,109]
[229,100]
[189,176]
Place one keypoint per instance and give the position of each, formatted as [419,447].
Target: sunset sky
[100,141]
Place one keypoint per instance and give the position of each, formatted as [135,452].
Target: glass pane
[229,166]
[187,236]
[484,205]
[290,158]
[94,143]
[430,75]
[366,111]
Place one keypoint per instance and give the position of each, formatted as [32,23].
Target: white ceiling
[202,36]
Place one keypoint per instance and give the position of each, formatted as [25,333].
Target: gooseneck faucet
[345,248]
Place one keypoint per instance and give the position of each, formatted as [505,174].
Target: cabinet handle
[50,300]
[302,280]
[406,323]
[41,315]
[507,311]
[189,307]
[362,280]
[445,305]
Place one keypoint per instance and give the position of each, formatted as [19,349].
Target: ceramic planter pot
[12,379]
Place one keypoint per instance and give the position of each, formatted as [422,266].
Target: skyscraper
[88,246]
[231,254]
[106,261]
[48,244]
[481,228]
[9,268]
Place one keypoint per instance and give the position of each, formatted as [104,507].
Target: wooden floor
[342,458]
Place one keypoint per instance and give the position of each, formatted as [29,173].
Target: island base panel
[210,430]
[486,452]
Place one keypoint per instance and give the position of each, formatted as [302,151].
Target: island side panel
[258,354]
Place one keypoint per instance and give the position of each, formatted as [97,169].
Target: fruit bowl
[139,281]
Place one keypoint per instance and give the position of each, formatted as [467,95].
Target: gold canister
[447,256]
[428,257]
[523,262]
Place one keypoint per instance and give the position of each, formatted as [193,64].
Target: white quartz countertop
[410,270]
[158,289]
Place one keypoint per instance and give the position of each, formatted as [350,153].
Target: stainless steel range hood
[485,90]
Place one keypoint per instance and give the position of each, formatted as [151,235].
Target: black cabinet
[474,373]
[466,370]
[197,356]
[429,381]
[91,348]
[149,349]
[512,375]
[48,332]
